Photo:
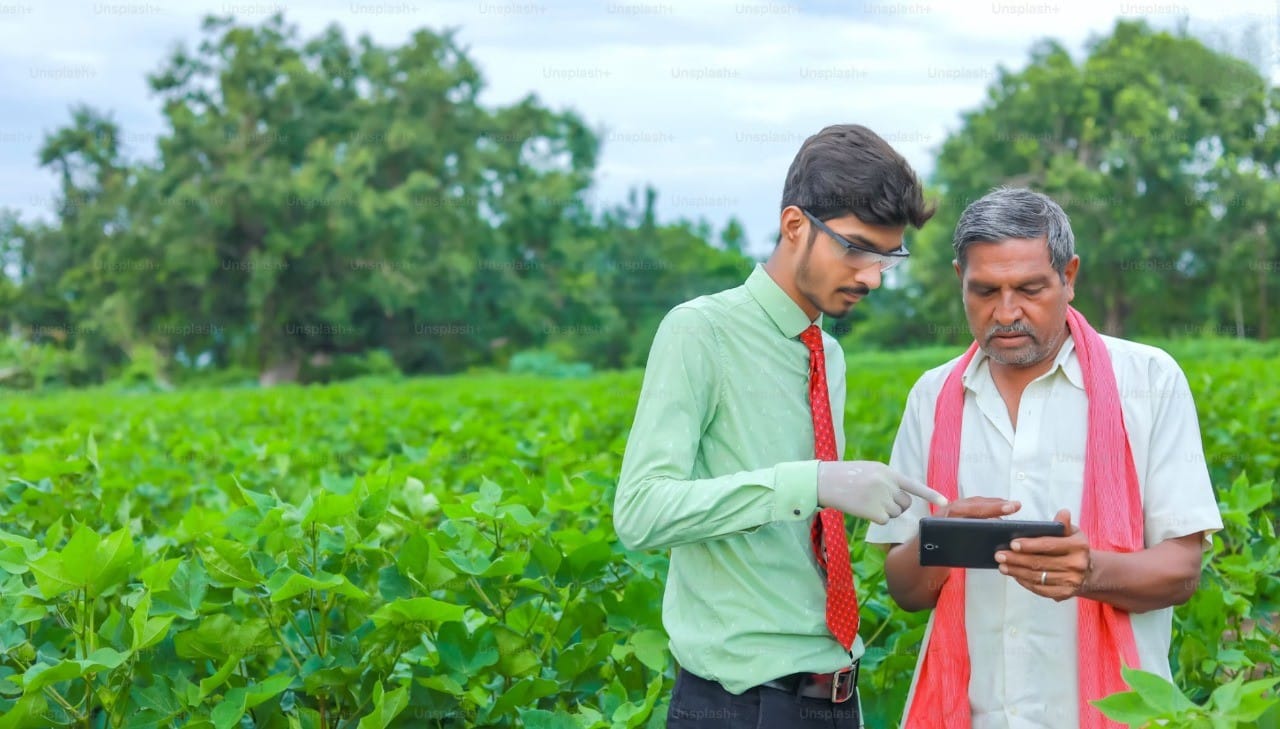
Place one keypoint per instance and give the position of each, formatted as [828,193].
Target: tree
[316,197]
[343,195]
[1123,141]
[733,237]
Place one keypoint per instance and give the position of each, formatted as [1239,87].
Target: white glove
[869,489]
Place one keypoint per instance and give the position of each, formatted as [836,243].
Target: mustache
[1014,328]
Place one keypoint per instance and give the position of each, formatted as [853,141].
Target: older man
[1044,418]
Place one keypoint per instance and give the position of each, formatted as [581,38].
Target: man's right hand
[869,489]
[978,507]
[916,587]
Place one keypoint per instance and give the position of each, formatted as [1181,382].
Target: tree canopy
[1164,155]
[314,199]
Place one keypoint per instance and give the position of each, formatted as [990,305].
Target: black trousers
[697,703]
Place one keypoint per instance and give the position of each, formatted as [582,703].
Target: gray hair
[1009,212]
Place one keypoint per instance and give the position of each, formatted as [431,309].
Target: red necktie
[828,527]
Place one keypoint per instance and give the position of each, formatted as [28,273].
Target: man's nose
[1008,309]
[869,276]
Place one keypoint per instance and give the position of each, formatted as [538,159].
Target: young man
[735,448]
[1045,419]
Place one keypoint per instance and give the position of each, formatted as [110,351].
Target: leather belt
[837,687]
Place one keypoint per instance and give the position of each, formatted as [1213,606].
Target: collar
[785,313]
[978,373]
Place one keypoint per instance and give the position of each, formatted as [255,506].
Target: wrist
[1090,582]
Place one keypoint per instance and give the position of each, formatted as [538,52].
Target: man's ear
[955,263]
[1069,273]
[791,225]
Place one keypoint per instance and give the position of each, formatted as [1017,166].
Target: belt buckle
[850,685]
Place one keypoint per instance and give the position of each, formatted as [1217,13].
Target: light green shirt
[720,468]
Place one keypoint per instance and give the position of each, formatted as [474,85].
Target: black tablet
[973,543]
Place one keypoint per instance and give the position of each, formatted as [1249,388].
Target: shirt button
[1013,711]
[1013,631]
[796,512]
[1022,476]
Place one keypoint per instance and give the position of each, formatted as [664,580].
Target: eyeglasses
[860,256]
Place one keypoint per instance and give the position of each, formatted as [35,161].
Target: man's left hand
[1053,567]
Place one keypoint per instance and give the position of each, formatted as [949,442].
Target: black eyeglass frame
[886,260]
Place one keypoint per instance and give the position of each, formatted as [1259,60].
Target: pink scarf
[1110,515]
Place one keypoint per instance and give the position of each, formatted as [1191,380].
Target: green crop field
[439,552]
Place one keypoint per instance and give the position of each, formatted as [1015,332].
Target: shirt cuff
[1160,529]
[795,490]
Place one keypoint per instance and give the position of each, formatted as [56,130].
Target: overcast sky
[707,100]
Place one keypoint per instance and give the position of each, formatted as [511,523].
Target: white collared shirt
[1022,647]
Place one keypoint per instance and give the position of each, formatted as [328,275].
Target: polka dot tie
[830,543]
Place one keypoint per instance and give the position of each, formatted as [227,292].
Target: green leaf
[443,684]
[265,690]
[31,710]
[386,707]
[158,575]
[468,562]
[228,563]
[546,556]
[589,560]
[208,685]
[53,535]
[1127,708]
[1227,695]
[155,630]
[632,714]
[259,502]
[159,697]
[43,674]
[417,610]
[108,658]
[87,562]
[184,592]
[588,718]
[238,700]
[511,563]
[517,516]
[112,563]
[463,654]
[147,631]
[330,509]
[91,451]
[285,584]
[1156,691]
[524,692]
[375,505]
[518,658]
[219,636]
[14,560]
[651,648]
[51,575]
[540,719]
[433,572]
[80,554]
[228,712]
[392,585]
[1249,701]
[487,502]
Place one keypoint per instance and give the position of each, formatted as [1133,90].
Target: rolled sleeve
[1178,497]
